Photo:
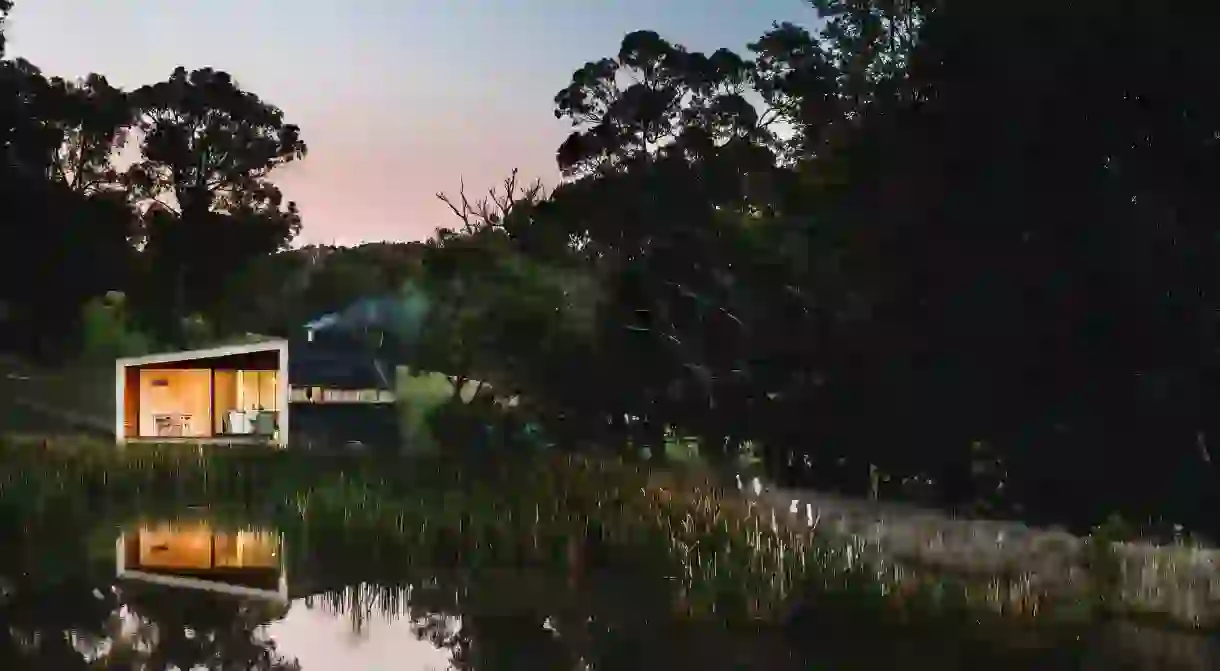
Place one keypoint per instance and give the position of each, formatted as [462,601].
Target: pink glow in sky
[397,99]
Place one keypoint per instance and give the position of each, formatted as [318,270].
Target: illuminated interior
[197,547]
[175,402]
[202,402]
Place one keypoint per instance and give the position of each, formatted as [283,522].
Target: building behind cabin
[340,394]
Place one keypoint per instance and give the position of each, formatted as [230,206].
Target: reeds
[723,556]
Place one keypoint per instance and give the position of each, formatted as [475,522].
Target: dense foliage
[937,241]
[168,227]
[934,241]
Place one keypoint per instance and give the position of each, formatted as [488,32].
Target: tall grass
[720,558]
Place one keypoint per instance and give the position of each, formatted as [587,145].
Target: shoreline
[1179,583]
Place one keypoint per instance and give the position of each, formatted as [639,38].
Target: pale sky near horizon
[397,99]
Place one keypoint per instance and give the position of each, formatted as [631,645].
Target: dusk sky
[397,99]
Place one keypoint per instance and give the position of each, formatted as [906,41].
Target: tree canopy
[925,235]
[928,233]
[196,208]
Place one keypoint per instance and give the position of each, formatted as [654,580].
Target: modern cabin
[253,393]
[233,393]
[196,556]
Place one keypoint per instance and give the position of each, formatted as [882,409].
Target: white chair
[163,425]
[239,422]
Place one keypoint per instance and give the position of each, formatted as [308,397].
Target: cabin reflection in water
[195,555]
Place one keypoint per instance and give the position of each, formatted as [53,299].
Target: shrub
[107,331]
[482,424]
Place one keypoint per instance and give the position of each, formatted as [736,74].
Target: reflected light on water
[198,555]
[321,640]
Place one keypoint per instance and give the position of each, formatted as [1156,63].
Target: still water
[194,592]
[201,588]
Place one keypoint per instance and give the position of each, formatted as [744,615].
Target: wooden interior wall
[131,402]
[225,395]
[178,391]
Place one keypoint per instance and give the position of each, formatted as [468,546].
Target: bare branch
[490,211]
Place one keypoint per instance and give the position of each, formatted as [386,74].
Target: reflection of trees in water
[53,600]
[482,628]
[359,603]
[70,626]
[196,629]
[46,631]
[432,609]
[487,619]
[491,620]
[517,641]
[78,625]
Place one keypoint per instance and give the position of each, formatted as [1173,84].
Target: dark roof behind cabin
[329,364]
[338,357]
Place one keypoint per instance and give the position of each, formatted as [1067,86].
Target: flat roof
[206,353]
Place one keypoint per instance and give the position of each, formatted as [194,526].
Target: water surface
[193,592]
[348,581]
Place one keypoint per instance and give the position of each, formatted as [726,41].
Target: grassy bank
[84,389]
[721,558]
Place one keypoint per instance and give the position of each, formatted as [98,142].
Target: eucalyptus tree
[208,148]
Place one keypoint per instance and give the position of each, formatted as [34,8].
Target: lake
[171,562]
[220,591]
